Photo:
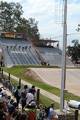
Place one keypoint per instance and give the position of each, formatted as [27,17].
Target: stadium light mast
[63,79]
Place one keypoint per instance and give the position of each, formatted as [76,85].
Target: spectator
[52,114]
[11,111]
[32,90]
[41,115]
[26,89]
[18,94]
[23,99]
[23,116]
[23,96]
[2,114]
[0,91]
[29,98]
[1,63]
[4,98]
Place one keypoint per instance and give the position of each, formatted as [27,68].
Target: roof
[45,41]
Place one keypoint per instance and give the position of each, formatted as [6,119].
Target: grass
[47,102]
[20,71]
[14,83]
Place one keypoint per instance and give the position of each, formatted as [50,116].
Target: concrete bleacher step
[20,52]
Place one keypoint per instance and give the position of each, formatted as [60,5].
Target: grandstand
[17,52]
[22,52]
[53,56]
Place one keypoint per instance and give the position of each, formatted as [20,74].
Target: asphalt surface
[53,78]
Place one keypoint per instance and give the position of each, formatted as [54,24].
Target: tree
[74,51]
[22,26]
[33,30]
[10,14]
[78,28]
[29,27]
[11,20]
[76,42]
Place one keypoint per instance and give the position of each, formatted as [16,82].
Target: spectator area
[18,52]
[22,52]
[53,56]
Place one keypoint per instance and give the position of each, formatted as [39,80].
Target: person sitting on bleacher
[30,100]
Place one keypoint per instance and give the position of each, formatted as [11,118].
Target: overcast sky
[49,14]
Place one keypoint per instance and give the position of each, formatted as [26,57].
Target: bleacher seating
[53,56]
[21,52]
[22,57]
[8,61]
[18,52]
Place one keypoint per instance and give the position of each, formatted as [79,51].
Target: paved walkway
[43,92]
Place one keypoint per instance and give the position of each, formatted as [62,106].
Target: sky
[49,14]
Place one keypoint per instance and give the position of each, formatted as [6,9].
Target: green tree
[29,27]
[11,20]
[22,26]
[10,14]
[33,30]
[74,51]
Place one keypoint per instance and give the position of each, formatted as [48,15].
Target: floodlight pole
[64,57]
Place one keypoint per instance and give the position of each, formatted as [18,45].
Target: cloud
[38,8]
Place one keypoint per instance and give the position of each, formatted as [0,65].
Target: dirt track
[53,77]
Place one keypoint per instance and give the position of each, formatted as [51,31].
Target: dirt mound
[32,74]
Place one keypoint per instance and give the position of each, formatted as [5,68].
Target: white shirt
[29,97]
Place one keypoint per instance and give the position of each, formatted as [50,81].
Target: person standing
[18,94]
[32,90]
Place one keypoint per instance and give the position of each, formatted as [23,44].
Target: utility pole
[64,57]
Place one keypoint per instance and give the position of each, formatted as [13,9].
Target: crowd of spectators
[9,109]
[26,96]
[24,99]
[15,109]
